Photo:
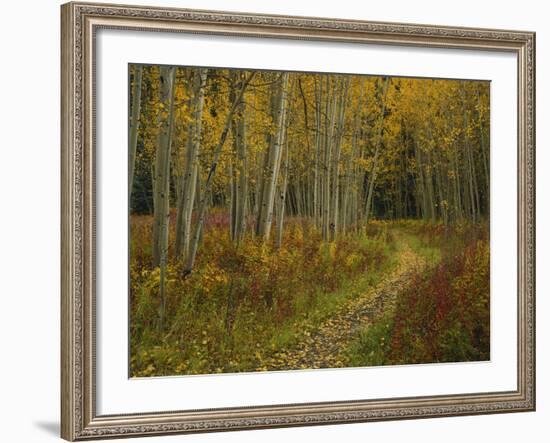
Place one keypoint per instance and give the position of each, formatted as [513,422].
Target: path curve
[323,347]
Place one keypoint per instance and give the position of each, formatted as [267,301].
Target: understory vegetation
[246,302]
[442,314]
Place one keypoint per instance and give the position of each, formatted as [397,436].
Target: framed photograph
[282,221]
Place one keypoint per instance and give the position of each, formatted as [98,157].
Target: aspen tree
[134,124]
[191,256]
[162,174]
[378,141]
[190,176]
[273,161]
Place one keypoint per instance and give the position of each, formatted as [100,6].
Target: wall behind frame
[29,221]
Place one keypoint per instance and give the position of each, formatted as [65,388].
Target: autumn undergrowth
[442,312]
[244,301]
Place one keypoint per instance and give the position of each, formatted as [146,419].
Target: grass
[430,252]
[244,303]
[325,305]
[442,313]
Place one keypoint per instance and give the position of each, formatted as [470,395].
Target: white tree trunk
[134,124]
[342,99]
[161,195]
[374,170]
[190,177]
[190,262]
[162,187]
[274,161]
[282,199]
[242,180]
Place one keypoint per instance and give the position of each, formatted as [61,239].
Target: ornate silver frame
[79,22]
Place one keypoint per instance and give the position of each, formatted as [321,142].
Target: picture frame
[80,23]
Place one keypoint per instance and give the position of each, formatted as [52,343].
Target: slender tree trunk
[282,199]
[374,170]
[307,200]
[162,172]
[484,155]
[474,182]
[430,186]
[472,179]
[183,188]
[162,164]
[274,161]
[342,99]
[191,170]
[208,185]
[318,141]
[232,200]
[242,164]
[421,185]
[330,120]
[134,125]
[345,197]
[263,171]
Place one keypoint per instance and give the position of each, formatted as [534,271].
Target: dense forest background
[270,209]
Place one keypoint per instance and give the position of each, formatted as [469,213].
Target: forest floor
[326,346]
[394,293]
